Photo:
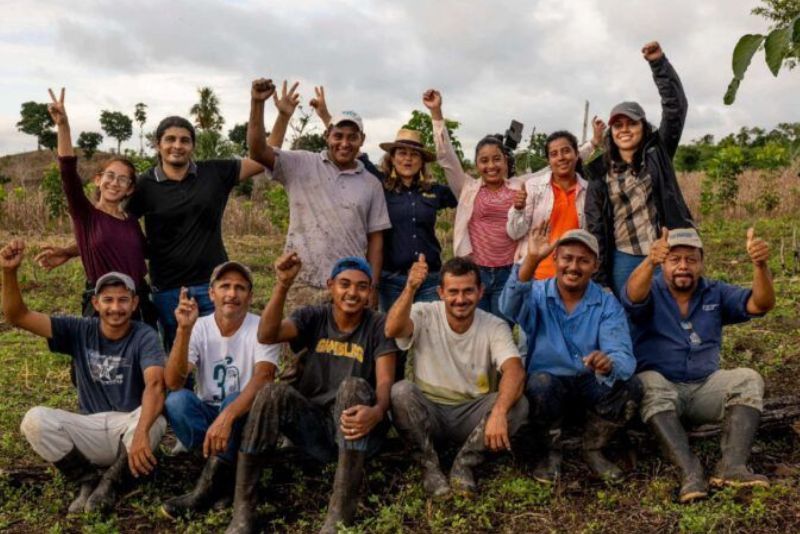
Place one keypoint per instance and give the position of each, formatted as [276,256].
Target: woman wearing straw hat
[413,200]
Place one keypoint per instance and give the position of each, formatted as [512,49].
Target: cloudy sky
[531,60]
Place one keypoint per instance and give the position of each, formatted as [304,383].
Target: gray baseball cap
[684,237]
[580,236]
[240,268]
[632,110]
[114,278]
[348,116]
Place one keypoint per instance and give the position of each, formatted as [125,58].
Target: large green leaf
[743,53]
[776,46]
[730,94]
[796,34]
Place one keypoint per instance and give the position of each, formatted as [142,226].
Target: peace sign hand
[56,108]
[320,105]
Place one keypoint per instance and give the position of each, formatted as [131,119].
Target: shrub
[54,195]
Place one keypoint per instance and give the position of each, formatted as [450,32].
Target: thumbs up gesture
[520,196]
[660,249]
[757,248]
[418,273]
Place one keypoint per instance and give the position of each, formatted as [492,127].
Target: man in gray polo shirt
[336,207]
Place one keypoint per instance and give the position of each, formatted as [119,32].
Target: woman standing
[483,204]
[413,199]
[107,238]
[633,191]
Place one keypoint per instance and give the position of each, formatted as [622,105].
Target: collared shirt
[684,349]
[563,218]
[413,216]
[557,340]
[183,221]
[331,211]
[635,215]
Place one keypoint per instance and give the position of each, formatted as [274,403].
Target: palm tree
[206,112]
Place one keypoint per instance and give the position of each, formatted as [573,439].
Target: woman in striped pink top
[483,204]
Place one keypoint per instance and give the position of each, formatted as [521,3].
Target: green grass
[33,498]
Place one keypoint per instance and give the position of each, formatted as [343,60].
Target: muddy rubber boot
[462,479]
[245,497]
[548,469]
[738,431]
[675,446]
[75,467]
[104,495]
[215,482]
[346,483]
[433,479]
[596,435]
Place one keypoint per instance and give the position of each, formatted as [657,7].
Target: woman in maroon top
[107,238]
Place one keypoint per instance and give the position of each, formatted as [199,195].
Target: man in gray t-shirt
[119,370]
[336,208]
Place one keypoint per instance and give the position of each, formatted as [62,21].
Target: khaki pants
[702,402]
[53,433]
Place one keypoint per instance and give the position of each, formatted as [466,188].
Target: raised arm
[273,328]
[539,247]
[762,299]
[141,459]
[674,105]
[445,153]
[58,113]
[286,106]
[398,320]
[320,105]
[640,281]
[178,366]
[260,150]
[14,307]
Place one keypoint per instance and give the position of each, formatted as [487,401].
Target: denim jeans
[167,300]
[392,284]
[190,418]
[551,397]
[493,280]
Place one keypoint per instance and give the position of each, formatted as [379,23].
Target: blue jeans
[167,300]
[392,284]
[493,280]
[190,418]
[551,397]
[624,265]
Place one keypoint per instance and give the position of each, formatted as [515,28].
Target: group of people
[603,276]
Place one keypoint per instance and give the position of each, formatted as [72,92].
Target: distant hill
[27,168]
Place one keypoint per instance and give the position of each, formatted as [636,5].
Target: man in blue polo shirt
[677,324]
[580,355]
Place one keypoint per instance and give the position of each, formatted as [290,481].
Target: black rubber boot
[214,483]
[105,494]
[245,497]
[738,431]
[597,434]
[675,444]
[75,467]
[462,479]
[346,485]
[548,469]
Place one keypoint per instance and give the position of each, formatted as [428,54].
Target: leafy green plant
[54,195]
[720,187]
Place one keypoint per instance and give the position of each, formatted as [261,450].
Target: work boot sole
[692,496]
[719,482]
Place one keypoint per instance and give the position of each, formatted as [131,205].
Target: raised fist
[652,51]
[287,267]
[11,255]
[262,89]
[432,99]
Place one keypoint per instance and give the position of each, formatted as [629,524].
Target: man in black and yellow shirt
[336,406]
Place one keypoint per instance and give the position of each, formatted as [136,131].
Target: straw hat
[409,139]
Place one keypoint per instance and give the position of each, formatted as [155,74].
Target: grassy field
[33,498]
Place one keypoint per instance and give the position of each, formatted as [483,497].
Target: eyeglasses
[694,339]
[121,179]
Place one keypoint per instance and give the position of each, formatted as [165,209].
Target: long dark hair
[571,139]
[614,162]
[497,140]
[392,182]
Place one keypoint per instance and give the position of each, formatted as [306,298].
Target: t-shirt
[331,211]
[183,221]
[491,246]
[109,374]
[331,355]
[105,242]
[225,364]
[452,368]
[563,218]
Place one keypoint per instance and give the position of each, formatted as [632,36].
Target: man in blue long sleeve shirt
[677,324]
[579,352]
